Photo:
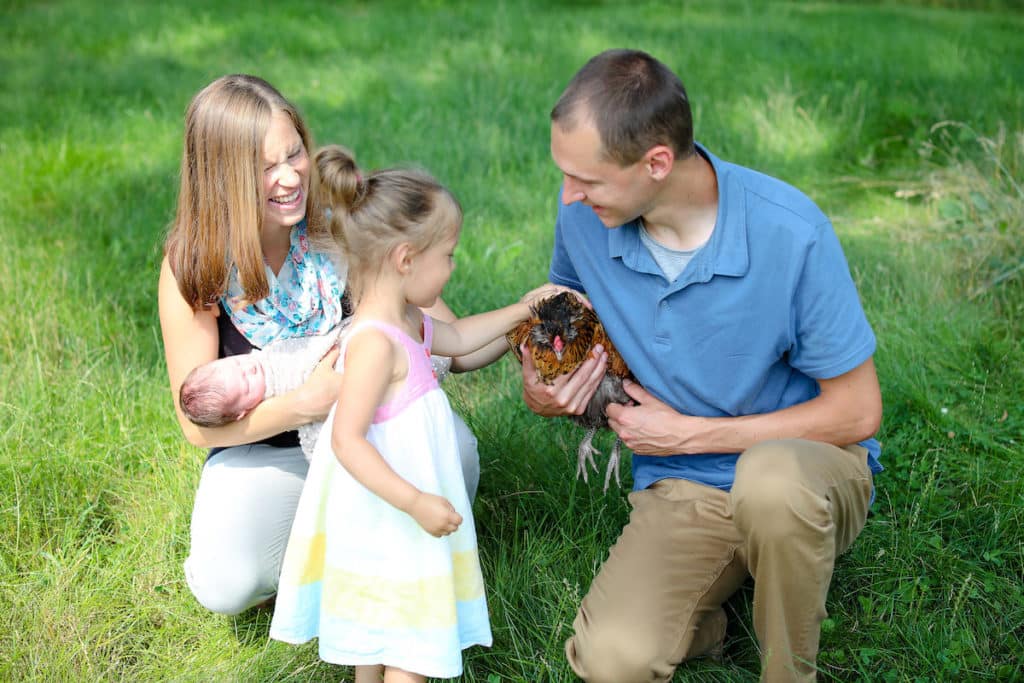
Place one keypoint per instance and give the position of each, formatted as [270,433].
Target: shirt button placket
[661,331]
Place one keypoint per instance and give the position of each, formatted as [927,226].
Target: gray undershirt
[671,261]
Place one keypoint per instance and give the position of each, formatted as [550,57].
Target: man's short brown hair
[633,100]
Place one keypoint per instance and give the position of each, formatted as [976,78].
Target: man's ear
[659,161]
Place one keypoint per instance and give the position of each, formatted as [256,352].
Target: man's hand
[435,514]
[569,394]
[650,427]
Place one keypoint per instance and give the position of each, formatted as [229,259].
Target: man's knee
[769,493]
[611,655]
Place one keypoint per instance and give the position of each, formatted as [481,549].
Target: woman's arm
[191,339]
[372,364]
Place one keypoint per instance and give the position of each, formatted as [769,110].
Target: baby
[226,389]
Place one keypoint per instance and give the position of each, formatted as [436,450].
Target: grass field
[905,122]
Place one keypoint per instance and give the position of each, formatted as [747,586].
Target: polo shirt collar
[726,251]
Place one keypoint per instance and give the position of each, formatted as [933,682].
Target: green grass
[905,121]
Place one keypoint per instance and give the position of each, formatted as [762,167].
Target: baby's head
[372,215]
[223,390]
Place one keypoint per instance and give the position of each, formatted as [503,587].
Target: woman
[247,261]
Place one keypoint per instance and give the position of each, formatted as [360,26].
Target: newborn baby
[226,389]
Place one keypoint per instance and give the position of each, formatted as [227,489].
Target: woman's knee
[469,455]
[226,586]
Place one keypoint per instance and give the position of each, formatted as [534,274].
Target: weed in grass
[976,191]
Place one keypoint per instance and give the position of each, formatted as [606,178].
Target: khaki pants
[794,507]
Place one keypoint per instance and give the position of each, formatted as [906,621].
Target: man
[729,296]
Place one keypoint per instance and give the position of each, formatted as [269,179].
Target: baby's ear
[241,415]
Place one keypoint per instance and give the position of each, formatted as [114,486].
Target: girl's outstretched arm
[466,335]
[481,357]
[372,365]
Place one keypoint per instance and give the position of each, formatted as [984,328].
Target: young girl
[382,561]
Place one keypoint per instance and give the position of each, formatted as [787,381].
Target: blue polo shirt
[765,308]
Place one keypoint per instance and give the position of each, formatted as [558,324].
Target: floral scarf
[305,297]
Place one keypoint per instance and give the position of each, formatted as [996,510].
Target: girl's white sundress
[363,576]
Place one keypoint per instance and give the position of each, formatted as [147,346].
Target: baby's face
[243,381]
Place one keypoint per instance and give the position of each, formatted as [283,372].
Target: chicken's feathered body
[559,336]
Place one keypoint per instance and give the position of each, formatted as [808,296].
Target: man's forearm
[847,410]
[814,420]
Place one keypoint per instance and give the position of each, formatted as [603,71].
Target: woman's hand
[313,400]
[435,514]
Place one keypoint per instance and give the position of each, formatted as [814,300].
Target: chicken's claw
[585,455]
[613,464]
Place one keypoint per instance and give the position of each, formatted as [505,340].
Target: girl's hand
[316,396]
[548,289]
[435,514]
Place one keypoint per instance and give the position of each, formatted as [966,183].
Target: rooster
[559,336]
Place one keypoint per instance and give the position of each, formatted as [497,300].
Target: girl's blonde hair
[220,203]
[372,214]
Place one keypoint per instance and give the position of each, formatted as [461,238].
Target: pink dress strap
[420,378]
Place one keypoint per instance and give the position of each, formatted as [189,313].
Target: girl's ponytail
[341,185]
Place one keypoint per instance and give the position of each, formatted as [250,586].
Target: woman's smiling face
[285,173]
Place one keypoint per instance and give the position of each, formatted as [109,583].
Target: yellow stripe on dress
[469,582]
[304,560]
[380,602]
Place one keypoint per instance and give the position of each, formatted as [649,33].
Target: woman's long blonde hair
[220,203]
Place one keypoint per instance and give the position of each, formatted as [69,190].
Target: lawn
[904,121]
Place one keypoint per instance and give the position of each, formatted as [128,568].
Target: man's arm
[848,410]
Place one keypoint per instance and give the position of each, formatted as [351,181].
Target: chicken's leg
[585,454]
[613,464]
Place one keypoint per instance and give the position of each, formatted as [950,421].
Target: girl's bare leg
[393,675]
[372,673]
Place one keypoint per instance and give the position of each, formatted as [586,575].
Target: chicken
[560,335]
